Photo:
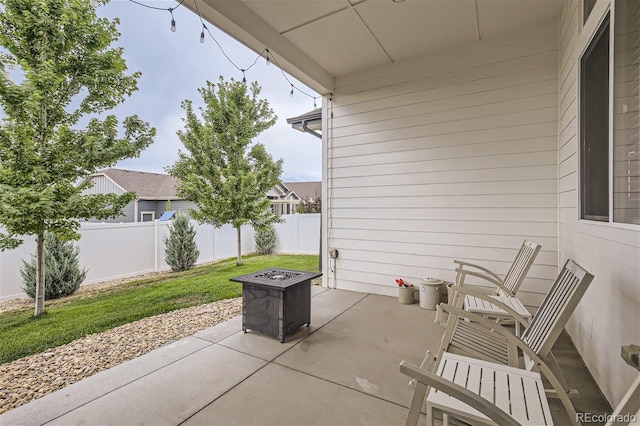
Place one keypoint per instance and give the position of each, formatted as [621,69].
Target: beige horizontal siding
[608,315]
[448,157]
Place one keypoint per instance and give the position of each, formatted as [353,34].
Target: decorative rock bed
[35,376]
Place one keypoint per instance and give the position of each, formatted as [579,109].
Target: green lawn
[71,318]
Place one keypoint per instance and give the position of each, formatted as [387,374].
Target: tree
[63,275]
[266,239]
[181,251]
[223,172]
[56,68]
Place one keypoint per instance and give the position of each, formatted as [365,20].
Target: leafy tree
[223,171]
[56,68]
[63,275]
[181,251]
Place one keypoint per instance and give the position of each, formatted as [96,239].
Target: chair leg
[416,404]
[555,367]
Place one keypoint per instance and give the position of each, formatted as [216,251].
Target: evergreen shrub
[181,250]
[62,270]
[265,237]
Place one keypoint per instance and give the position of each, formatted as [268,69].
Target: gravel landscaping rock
[35,376]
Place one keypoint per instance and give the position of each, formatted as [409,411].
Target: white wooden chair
[480,392]
[506,288]
[509,285]
[479,337]
[628,410]
[478,402]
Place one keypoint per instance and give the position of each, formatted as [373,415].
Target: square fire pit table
[275,301]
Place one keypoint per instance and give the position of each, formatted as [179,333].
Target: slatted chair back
[519,268]
[556,308]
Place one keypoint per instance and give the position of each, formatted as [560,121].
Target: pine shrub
[181,251]
[265,237]
[62,270]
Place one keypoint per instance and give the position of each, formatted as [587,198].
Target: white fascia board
[241,23]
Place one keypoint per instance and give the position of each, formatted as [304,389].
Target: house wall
[451,156]
[182,206]
[149,206]
[128,215]
[608,315]
[103,185]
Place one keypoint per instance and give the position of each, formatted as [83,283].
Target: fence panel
[117,250]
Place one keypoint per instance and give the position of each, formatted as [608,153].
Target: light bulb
[173,25]
[291,94]
[202,37]
[268,60]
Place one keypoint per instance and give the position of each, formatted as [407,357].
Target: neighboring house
[457,129]
[310,194]
[283,199]
[153,191]
[295,197]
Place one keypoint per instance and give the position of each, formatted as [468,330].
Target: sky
[175,64]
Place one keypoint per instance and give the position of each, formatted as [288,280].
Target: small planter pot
[405,295]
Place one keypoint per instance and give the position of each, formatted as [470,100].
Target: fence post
[155,248]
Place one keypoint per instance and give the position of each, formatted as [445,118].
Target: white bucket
[430,293]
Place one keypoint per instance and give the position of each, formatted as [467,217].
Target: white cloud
[175,65]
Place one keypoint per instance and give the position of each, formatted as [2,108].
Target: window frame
[589,31]
[143,213]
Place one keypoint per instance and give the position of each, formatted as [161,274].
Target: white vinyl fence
[117,250]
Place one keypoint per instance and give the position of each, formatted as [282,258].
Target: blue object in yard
[167,215]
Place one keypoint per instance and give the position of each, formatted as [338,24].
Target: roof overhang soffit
[242,23]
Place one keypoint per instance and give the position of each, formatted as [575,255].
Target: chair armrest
[456,391]
[462,265]
[487,298]
[462,274]
[542,366]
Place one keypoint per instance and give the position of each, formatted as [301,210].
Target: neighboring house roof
[306,190]
[282,192]
[159,186]
[147,186]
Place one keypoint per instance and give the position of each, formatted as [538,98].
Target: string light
[173,22]
[268,54]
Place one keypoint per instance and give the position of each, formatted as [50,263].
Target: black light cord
[270,57]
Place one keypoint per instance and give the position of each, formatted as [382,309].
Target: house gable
[103,184]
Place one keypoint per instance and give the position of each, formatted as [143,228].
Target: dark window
[594,119]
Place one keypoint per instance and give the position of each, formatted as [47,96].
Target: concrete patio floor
[342,370]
